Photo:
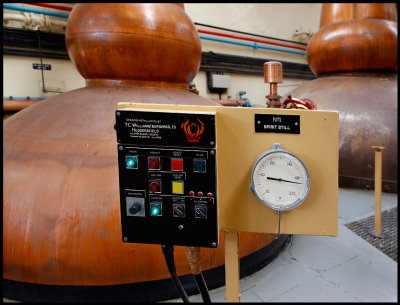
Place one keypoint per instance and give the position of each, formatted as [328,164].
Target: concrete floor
[325,269]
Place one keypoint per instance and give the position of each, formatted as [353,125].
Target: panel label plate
[277,123]
[41,66]
[165,128]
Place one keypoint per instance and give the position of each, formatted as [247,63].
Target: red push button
[155,186]
[154,163]
[177,164]
[209,195]
[200,194]
[191,193]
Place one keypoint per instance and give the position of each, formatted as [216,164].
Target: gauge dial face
[280,180]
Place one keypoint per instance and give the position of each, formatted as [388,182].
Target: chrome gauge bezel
[277,149]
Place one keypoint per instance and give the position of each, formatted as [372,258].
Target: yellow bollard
[378,192]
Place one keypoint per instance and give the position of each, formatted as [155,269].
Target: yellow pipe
[378,188]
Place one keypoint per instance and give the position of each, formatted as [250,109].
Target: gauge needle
[280,179]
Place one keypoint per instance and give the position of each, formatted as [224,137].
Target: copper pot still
[354,54]
[61,218]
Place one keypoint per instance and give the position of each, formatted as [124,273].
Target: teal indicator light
[156,209]
[131,162]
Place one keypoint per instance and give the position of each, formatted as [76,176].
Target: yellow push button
[177,187]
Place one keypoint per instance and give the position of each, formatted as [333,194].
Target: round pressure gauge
[280,179]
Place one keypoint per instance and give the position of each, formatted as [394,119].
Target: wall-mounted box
[220,81]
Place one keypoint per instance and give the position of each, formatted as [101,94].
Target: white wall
[268,19]
[20,79]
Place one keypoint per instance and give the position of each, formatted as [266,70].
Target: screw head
[212,143]
[212,152]
[118,114]
[120,148]
[214,244]
[125,238]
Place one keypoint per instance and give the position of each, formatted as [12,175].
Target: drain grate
[387,245]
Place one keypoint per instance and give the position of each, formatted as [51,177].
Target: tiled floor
[325,269]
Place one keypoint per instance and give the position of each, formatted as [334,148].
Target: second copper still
[354,54]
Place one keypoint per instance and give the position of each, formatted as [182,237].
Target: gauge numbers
[280,179]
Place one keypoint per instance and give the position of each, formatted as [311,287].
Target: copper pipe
[17,104]
[273,88]
[233,103]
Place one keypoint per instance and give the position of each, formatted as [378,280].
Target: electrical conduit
[30,10]
[255,45]
[57,7]
[251,39]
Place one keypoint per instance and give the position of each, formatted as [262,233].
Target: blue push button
[199,165]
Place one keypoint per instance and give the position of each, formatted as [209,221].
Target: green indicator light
[131,162]
[155,209]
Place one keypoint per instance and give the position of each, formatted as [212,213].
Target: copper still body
[61,218]
[354,54]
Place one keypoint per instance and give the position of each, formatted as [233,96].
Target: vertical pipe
[232,271]
[273,88]
[378,188]
[41,60]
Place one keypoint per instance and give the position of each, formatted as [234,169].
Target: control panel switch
[200,211]
[178,210]
[135,206]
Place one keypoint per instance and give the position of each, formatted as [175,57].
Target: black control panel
[167,177]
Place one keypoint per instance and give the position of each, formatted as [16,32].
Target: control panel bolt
[212,152]
[120,148]
[211,143]
[125,238]
[118,114]
[214,244]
